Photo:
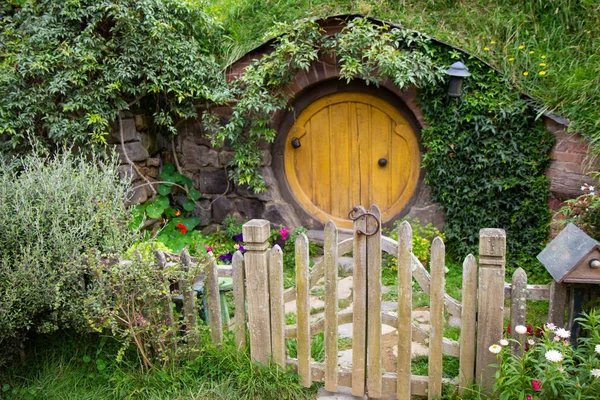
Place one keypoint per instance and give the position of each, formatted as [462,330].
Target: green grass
[567,33]
[420,365]
[290,318]
[317,346]
[74,367]
[343,303]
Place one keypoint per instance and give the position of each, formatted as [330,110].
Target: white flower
[583,188]
[531,342]
[520,329]
[596,372]
[563,333]
[550,326]
[554,356]
[591,188]
[503,342]
[495,348]
[598,348]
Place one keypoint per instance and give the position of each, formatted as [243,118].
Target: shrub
[133,299]
[53,211]
[583,211]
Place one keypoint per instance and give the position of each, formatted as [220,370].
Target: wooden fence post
[518,309]
[330,259]
[189,301]
[239,297]
[303,310]
[558,304]
[468,326]
[256,236]
[405,281]
[167,304]
[359,328]
[211,288]
[492,262]
[374,342]
[436,295]
[277,306]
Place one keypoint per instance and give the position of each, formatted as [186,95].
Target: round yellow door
[349,149]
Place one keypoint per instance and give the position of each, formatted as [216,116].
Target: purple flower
[226,257]
[239,237]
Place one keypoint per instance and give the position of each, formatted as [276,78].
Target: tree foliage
[68,67]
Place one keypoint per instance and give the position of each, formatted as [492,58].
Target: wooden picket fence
[259,298]
[258,279]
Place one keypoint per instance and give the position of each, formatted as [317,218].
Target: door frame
[305,99]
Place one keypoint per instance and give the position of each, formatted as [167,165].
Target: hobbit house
[338,144]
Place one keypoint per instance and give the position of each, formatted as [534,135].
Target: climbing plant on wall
[485,153]
[485,158]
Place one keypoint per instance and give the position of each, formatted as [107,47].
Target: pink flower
[284,232]
[529,397]
[208,248]
[536,385]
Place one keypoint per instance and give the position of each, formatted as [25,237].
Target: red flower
[182,228]
[538,331]
[537,385]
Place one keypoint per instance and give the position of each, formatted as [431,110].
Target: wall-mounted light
[296,142]
[457,71]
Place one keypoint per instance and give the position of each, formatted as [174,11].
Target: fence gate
[258,280]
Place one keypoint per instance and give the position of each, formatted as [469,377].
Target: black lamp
[457,71]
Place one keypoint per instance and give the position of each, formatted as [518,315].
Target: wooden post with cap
[490,314]
[256,260]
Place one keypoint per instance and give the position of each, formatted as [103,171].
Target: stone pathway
[389,334]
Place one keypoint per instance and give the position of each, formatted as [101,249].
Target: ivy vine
[485,153]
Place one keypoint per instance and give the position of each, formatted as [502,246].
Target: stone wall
[207,167]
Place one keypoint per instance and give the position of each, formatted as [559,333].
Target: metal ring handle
[358,212]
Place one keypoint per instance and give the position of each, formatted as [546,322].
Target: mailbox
[573,260]
[572,257]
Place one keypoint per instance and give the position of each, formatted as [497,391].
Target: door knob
[382,162]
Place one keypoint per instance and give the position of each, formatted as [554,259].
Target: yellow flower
[486,48]
[542,73]
[531,52]
[511,59]
[521,47]
[543,57]
[525,73]
[542,64]
[493,42]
